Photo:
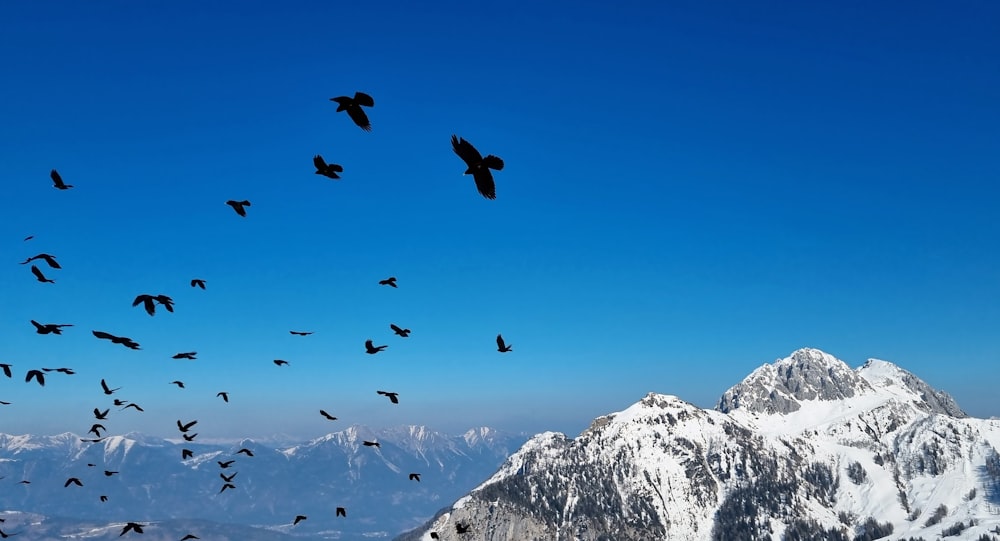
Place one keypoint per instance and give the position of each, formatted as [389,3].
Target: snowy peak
[885,375]
[805,375]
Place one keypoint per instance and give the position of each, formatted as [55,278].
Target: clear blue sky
[691,190]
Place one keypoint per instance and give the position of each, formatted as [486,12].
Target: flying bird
[57,181]
[67,371]
[354,110]
[280,362]
[107,390]
[393,397]
[48,258]
[501,346]
[230,478]
[131,526]
[189,437]
[401,332]
[185,427]
[101,415]
[133,405]
[72,481]
[327,415]
[198,282]
[96,429]
[478,166]
[225,486]
[37,374]
[189,536]
[434,535]
[6,369]
[367,443]
[225,464]
[39,276]
[120,402]
[186,454]
[245,451]
[49,328]
[390,281]
[371,349]
[341,512]
[415,477]
[298,519]
[178,383]
[109,473]
[224,395]
[238,206]
[148,302]
[5,404]
[325,169]
[300,333]
[462,528]
[189,355]
[29,237]
[104,498]
[125,341]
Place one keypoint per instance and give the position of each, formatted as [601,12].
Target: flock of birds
[476,165]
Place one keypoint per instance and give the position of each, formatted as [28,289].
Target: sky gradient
[691,190]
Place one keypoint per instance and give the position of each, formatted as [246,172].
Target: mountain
[313,478]
[804,448]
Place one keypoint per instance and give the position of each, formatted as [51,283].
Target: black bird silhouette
[415,477]
[120,402]
[48,258]
[280,362]
[224,395]
[238,206]
[37,374]
[501,346]
[189,536]
[125,341]
[189,355]
[341,512]
[6,369]
[131,526]
[39,276]
[198,282]
[104,498]
[186,454]
[245,451]
[96,429]
[134,405]
[434,535]
[148,302]
[478,166]
[353,108]
[230,478]
[108,390]
[178,383]
[67,371]
[371,349]
[393,397]
[101,415]
[109,473]
[325,169]
[225,464]
[49,328]
[29,237]
[185,427]
[298,519]
[4,404]
[72,481]
[462,528]
[390,281]
[300,333]
[58,181]
[189,437]
[367,443]
[327,415]
[401,332]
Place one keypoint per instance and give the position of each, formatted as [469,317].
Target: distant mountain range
[154,484]
[802,449]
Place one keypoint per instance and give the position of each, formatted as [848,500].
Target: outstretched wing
[493,162]
[361,98]
[500,343]
[484,183]
[466,151]
[319,162]
[57,178]
[360,118]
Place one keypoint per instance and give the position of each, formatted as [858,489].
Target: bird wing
[493,162]
[360,118]
[104,386]
[50,260]
[361,98]
[395,328]
[484,183]
[319,162]
[57,178]
[500,343]
[342,102]
[466,151]
[38,273]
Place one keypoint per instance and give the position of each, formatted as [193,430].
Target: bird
[501,346]
[178,383]
[108,390]
[101,415]
[29,237]
[6,369]
[148,302]
[300,333]
[184,427]
[280,362]
[189,437]
[401,332]
[5,404]
[189,536]
[125,341]
[72,481]
[225,464]
[198,282]
[298,519]
[325,169]
[224,395]
[341,512]
[434,535]
[96,429]
[393,397]
[67,371]
[478,166]
[49,328]
[367,443]
[462,528]
[327,415]
[48,258]
[225,486]
[39,276]
[238,206]
[354,110]
[415,477]
[189,355]
[371,349]
[104,498]
[186,454]
[133,405]
[109,473]
[58,181]
[131,526]
[37,374]
[230,478]
[120,402]
[390,281]
[245,451]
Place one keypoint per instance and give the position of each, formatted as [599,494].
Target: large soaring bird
[123,340]
[238,206]
[393,397]
[501,346]
[49,328]
[354,110]
[48,258]
[58,181]
[327,170]
[372,349]
[148,302]
[478,166]
[399,331]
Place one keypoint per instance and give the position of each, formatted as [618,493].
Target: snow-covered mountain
[804,448]
[274,485]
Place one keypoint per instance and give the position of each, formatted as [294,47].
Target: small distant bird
[390,281]
[6,369]
[109,473]
[101,415]
[224,395]
[198,282]
[371,349]
[501,346]
[238,206]
[96,429]
[298,519]
[29,237]
[230,478]
[341,512]
[401,332]
[354,110]
[48,258]
[108,390]
[189,536]
[189,355]
[189,437]
[300,333]
[367,443]
[415,477]
[245,451]
[67,371]
[225,464]
[25,482]
[134,405]
[178,383]
[104,498]
[184,427]
[120,402]
[327,415]
[280,362]
[462,528]
[125,341]
[393,397]
[434,535]
[58,181]
[225,486]
[4,404]
[49,328]
[325,169]
[148,302]
[478,166]
[72,481]
[37,374]
[131,526]
[186,454]
[39,276]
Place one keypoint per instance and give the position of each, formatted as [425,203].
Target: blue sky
[691,190]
